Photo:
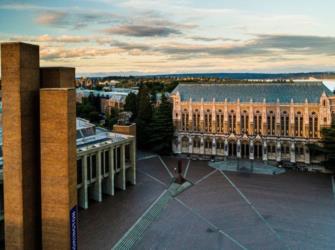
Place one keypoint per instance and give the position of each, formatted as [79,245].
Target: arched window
[284,124]
[244,122]
[196,142]
[313,125]
[196,120]
[184,120]
[232,122]
[208,143]
[258,123]
[208,121]
[219,121]
[298,124]
[271,123]
[220,144]
[271,147]
[184,142]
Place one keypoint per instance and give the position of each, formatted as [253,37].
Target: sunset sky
[170,36]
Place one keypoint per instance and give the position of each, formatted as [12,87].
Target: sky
[129,37]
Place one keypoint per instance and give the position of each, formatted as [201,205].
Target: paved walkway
[217,210]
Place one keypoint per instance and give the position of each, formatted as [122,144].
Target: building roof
[298,91]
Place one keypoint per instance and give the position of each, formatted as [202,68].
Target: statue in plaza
[179,177]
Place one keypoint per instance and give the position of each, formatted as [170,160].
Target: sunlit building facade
[261,121]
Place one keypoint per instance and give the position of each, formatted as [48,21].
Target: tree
[130,105]
[162,128]
[111,119]
[326,147]
[143,120]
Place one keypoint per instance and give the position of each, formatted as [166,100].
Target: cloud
[143,30]
[50,54]
[76,19]
[52,18]
[260,46]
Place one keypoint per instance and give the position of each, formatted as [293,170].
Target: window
[208,143]
[208,121]
[313,125]
[219,122]
[244,122]
[196,142]
[196,121]
[258,123]
[184,142]
[271,123]
[232,122]
[285,148]
[220,144]
[284,124]
[298,124]
[184,120]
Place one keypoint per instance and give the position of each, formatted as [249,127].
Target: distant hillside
[252,76]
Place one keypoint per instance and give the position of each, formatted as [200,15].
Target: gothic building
[265,121]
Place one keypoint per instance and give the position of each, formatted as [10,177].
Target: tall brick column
[58,168]
[20,87]
[57,77]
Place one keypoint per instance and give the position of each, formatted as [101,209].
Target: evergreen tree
[143,120]
[162,127]
[131,105]
[326,147]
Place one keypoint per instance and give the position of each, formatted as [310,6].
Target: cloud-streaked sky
[175,36]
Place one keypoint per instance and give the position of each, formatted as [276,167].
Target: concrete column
[96,188]
[58,168]
[108,183]
[292,152]
[238,149]
[278,151]
[83,191]
[265,151]
[21,152]
[251,150]
[120,181]
[131,172]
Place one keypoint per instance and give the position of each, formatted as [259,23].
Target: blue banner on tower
[73,228]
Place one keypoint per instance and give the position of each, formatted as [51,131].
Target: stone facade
[251,128]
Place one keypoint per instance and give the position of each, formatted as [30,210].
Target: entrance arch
[258,151]
[232,148]
[245,149]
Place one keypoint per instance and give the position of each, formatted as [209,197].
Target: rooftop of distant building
[299,92]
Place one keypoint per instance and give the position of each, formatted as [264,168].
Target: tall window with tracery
[258,123]
[184,121]
[208,121]
[196,121]
[284,121]
[313,125]
[244,122]
[219,122]
[298,124]
[271,123]
[232,121]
